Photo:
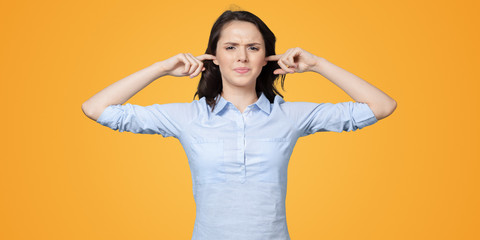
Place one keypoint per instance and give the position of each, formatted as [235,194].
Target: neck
[241,100]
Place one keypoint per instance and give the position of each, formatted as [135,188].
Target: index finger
[273,57]
[206,57]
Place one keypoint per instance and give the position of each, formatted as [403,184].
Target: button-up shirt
[238,161]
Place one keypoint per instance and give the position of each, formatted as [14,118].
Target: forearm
[360,90]
[122,90]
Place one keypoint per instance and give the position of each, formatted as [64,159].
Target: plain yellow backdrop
[413,175]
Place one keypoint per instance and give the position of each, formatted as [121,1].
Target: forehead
[240,31]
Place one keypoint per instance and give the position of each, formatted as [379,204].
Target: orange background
[413,175]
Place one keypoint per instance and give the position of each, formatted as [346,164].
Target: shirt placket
[241,141]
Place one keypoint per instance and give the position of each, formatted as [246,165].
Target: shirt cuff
[106,116]
[364,116]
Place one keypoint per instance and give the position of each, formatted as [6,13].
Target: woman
[240,134]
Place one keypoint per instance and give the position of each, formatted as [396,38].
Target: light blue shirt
[238,161]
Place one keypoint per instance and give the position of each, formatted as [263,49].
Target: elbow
[89,111]
[386,110]
[391,108]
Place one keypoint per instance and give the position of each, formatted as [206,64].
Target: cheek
[223,60]
[224,64]
[260,62]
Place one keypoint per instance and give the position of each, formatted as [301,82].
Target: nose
[242,55]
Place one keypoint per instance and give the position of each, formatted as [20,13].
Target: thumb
[280,71]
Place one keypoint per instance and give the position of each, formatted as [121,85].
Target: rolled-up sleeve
[154,119]
[338,117]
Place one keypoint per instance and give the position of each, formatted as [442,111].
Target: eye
[253,48]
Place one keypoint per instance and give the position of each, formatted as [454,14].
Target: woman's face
[240,54]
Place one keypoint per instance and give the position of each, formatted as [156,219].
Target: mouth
[242,70]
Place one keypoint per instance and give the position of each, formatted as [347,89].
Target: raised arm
[360,90]
[183,64]
[299,60]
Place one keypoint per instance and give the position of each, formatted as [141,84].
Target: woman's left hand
[295,60]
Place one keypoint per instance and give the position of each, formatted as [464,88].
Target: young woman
[240,134]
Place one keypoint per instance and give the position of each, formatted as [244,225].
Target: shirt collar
[262,103]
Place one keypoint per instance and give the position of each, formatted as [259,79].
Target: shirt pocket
[268,158]
[207,161]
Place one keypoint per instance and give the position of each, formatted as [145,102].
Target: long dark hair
[210,84]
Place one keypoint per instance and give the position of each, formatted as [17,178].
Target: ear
[215,61]
[265,63]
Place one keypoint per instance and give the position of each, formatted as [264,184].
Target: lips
[241,69]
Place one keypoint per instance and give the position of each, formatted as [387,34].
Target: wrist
[160,70]
[319,65]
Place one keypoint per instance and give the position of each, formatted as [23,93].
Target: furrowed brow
[236,44]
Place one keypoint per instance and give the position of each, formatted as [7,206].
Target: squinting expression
[240,54]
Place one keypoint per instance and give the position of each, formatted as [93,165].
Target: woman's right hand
[185,64]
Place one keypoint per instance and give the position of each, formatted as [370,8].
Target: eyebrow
[235,44]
